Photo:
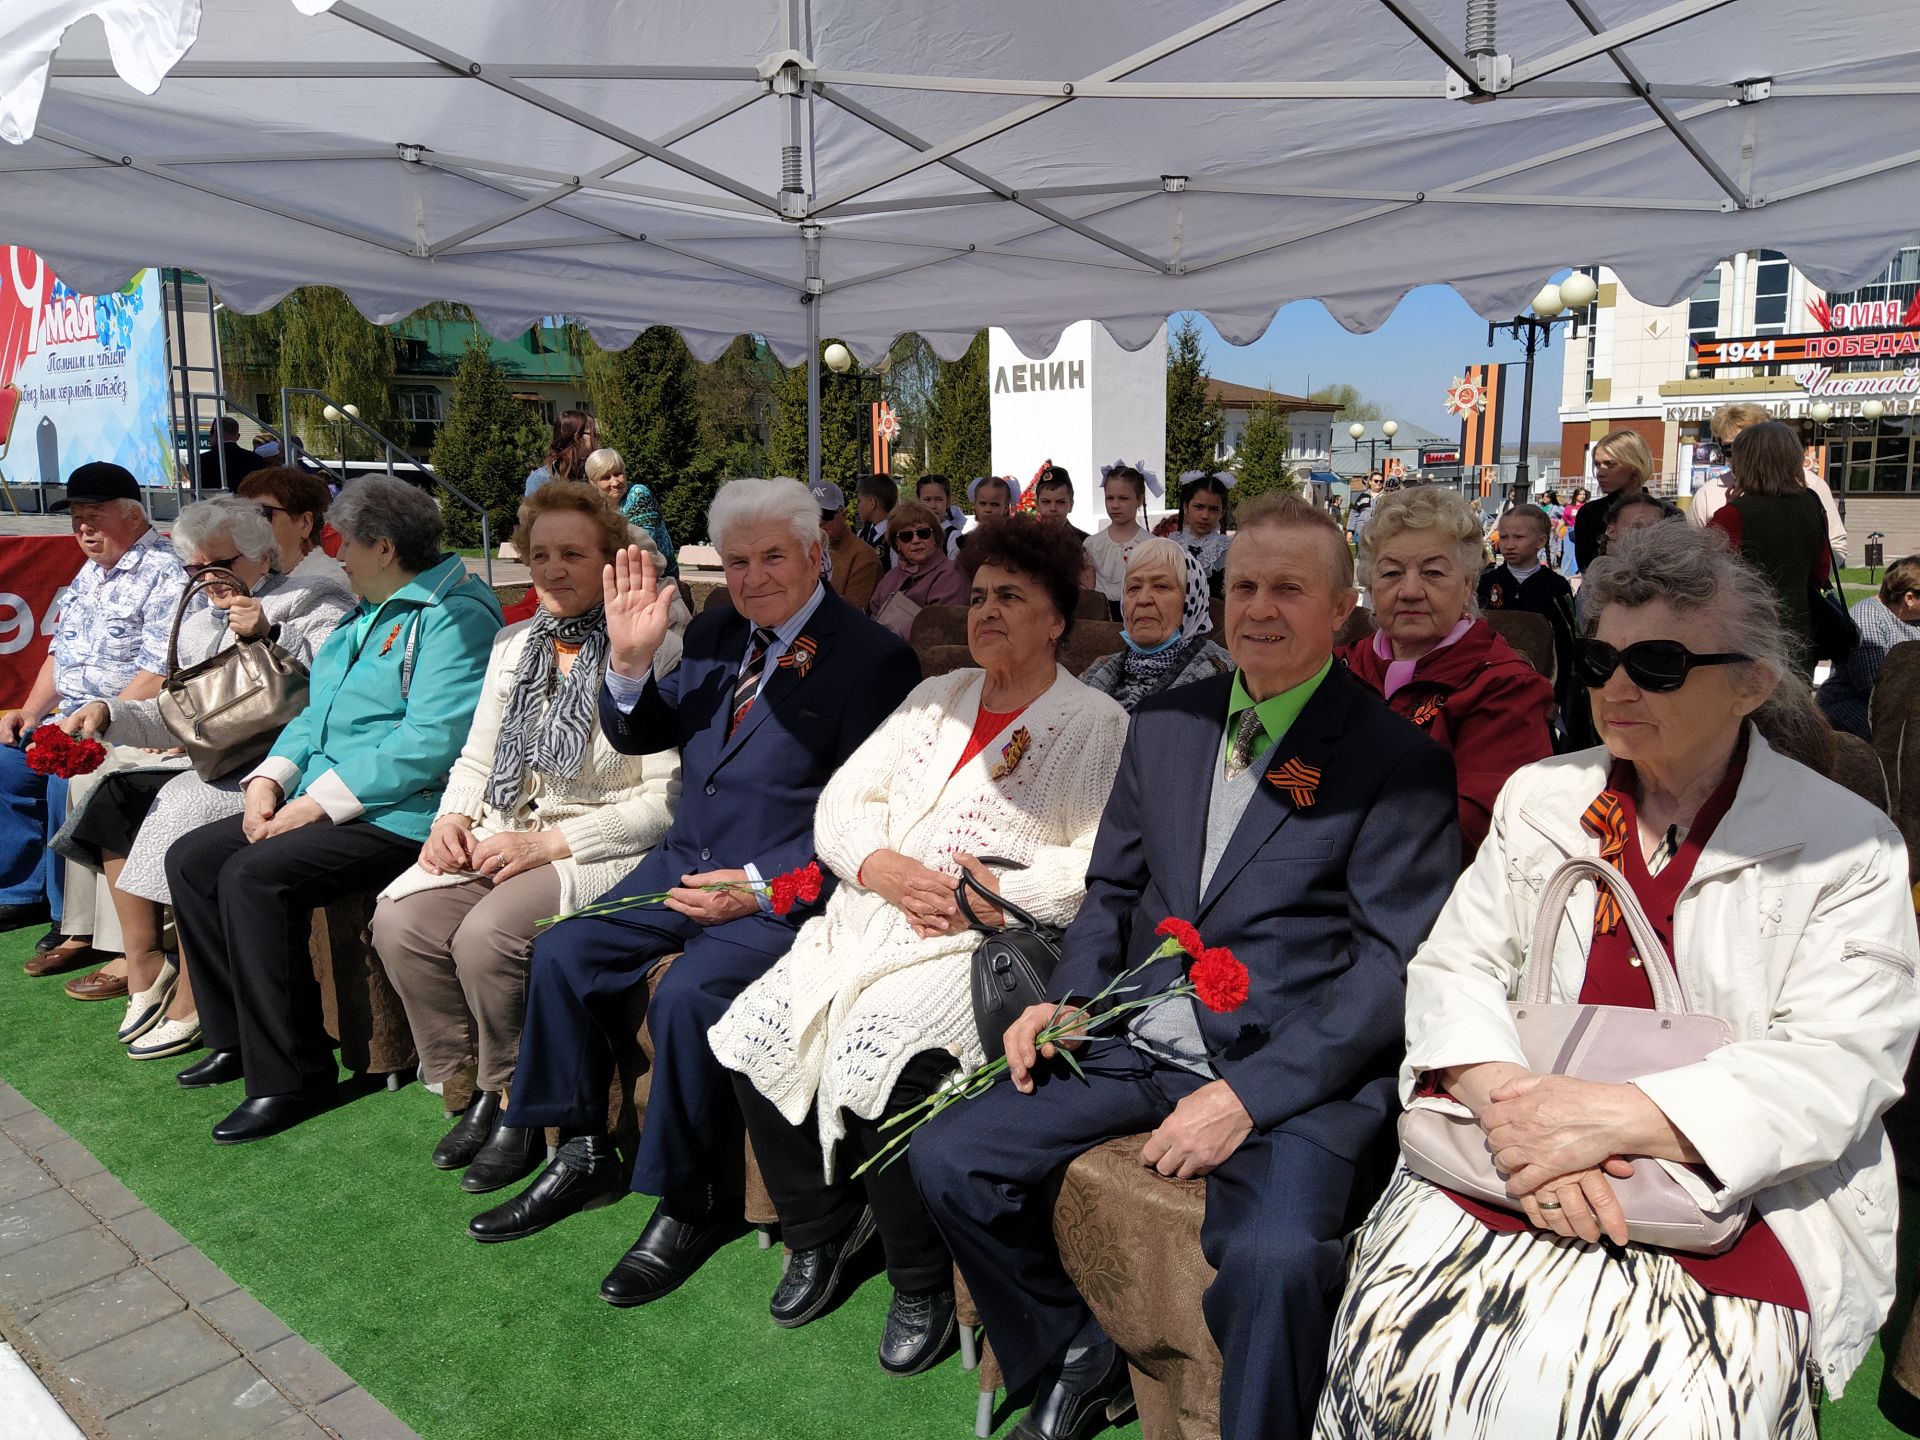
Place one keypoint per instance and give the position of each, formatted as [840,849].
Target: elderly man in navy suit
[1292,817]
[769,698]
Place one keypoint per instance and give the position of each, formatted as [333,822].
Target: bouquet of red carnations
[51,751]
[783,892]
[1213,976]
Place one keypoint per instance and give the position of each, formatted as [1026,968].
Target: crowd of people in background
[1310,738]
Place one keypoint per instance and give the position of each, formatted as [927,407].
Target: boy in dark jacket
[1524,582]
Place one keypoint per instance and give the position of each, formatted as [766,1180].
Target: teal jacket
[392,697]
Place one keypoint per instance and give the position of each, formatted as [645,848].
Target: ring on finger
[1549,1204]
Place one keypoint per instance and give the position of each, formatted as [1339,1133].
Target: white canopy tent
[801,168]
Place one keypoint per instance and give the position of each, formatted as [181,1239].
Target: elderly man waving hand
[1292,817]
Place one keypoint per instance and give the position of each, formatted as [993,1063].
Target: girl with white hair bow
[1204,518]
[1125,488]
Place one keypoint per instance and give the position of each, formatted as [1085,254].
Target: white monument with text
[1085,404]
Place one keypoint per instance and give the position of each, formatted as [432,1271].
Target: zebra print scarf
[554,742]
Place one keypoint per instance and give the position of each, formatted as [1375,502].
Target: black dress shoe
[584,1175]
[216,1067]
[49,941]
[1091,1392]
[265,1115]
[511,1153]
[920,1330]
[665,1257]
[19,917]
[469,1132]
[812,1279]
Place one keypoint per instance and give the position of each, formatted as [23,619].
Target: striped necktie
[748,685]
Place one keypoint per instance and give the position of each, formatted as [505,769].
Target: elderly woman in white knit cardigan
[870,1010]
[540,815]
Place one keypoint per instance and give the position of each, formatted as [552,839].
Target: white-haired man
[771,695]
[111,644]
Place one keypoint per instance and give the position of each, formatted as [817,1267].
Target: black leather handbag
[1834,632]
[1011,966]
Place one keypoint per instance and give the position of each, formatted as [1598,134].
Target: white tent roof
[709,164]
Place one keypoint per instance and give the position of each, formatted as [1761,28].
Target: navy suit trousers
[1276,1217]
[583,975]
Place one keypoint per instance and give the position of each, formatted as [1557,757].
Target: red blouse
[987,726]
[1756,1267]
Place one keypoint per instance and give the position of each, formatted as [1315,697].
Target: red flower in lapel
[800,655]
[1300,780]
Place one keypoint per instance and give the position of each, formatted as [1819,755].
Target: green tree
[1260,459]
[959,419]
[1194,423]
[314,339]
[644,400]
[485,448]
[844,453]
[733,398]
[1353,405]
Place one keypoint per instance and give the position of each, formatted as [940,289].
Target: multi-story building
[1845,367]
[1309,422]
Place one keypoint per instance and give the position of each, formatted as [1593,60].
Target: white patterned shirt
[114,622]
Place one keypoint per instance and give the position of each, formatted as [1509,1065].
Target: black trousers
[244,911]
[813,1209]
[1276,1216]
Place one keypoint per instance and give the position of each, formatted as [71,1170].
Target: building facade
[1309,422]
[1758,330]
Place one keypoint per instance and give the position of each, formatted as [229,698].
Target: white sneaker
[149,1007]
[169,1037]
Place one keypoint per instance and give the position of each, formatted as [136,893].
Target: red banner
[34,572]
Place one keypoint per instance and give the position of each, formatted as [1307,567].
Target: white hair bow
[1154,483]
[1225,477]
[1013,488]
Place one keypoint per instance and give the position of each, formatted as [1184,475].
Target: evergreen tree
[844,447]
[485,448]
[959,419]
[1194,424]
[1260,460]
[644,400]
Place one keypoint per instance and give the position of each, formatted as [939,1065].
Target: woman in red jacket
[1435,661]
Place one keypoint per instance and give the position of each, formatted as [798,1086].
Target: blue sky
[1405,366]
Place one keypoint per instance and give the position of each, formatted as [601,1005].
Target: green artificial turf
[344,1230]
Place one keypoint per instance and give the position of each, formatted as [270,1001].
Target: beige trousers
[459,955]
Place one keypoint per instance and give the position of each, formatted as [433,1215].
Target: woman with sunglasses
[1434,660]
[295,503]
[921,574]
[1780,901]
[123,823]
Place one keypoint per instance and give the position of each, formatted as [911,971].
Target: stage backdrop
[82,377]
[34,573]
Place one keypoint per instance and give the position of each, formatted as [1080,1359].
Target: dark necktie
[1244,739]
[748,685]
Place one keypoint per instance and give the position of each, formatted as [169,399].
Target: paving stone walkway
[136,1333]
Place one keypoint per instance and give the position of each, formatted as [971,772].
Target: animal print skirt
[1449,1331]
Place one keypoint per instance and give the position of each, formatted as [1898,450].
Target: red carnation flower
[808,882]
[52,751]
[1180,930]
[1220,981]
[784,891]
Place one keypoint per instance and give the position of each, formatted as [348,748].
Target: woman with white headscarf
[1164,605]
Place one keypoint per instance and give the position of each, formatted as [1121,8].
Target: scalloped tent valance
[800,167]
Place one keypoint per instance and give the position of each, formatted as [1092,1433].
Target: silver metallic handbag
[1610,1044]
[227,710]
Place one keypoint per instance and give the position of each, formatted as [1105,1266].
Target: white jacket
[1797,928]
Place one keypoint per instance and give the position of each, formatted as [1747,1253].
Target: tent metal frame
[1473,72]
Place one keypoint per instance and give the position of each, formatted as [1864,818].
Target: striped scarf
[554,742]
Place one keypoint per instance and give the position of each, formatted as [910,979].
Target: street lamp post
[1358,431]
[1825,422]
[1559,304]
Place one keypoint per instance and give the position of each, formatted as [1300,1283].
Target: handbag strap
[204,580]
[968,882]
[1536,980]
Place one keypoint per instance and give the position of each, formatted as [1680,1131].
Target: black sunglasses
[922,533]
[194,572]
[1655,665]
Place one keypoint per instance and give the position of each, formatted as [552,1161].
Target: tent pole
[811,235]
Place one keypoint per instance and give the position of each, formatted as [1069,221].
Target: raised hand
[638,611]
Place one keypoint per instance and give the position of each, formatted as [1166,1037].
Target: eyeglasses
[826,516]
[194,572]
[920,533]
[267,512]
[1656,665]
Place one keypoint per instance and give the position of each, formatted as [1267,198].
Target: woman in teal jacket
[340,806]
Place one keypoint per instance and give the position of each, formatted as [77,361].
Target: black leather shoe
[920,1330]
[812,1279]
[511,1153]
[265,1115]
[216,1067]
[1090,1394]
[53,939]
[665,1257]
[469,1132]
[19,917]
[584,1175]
